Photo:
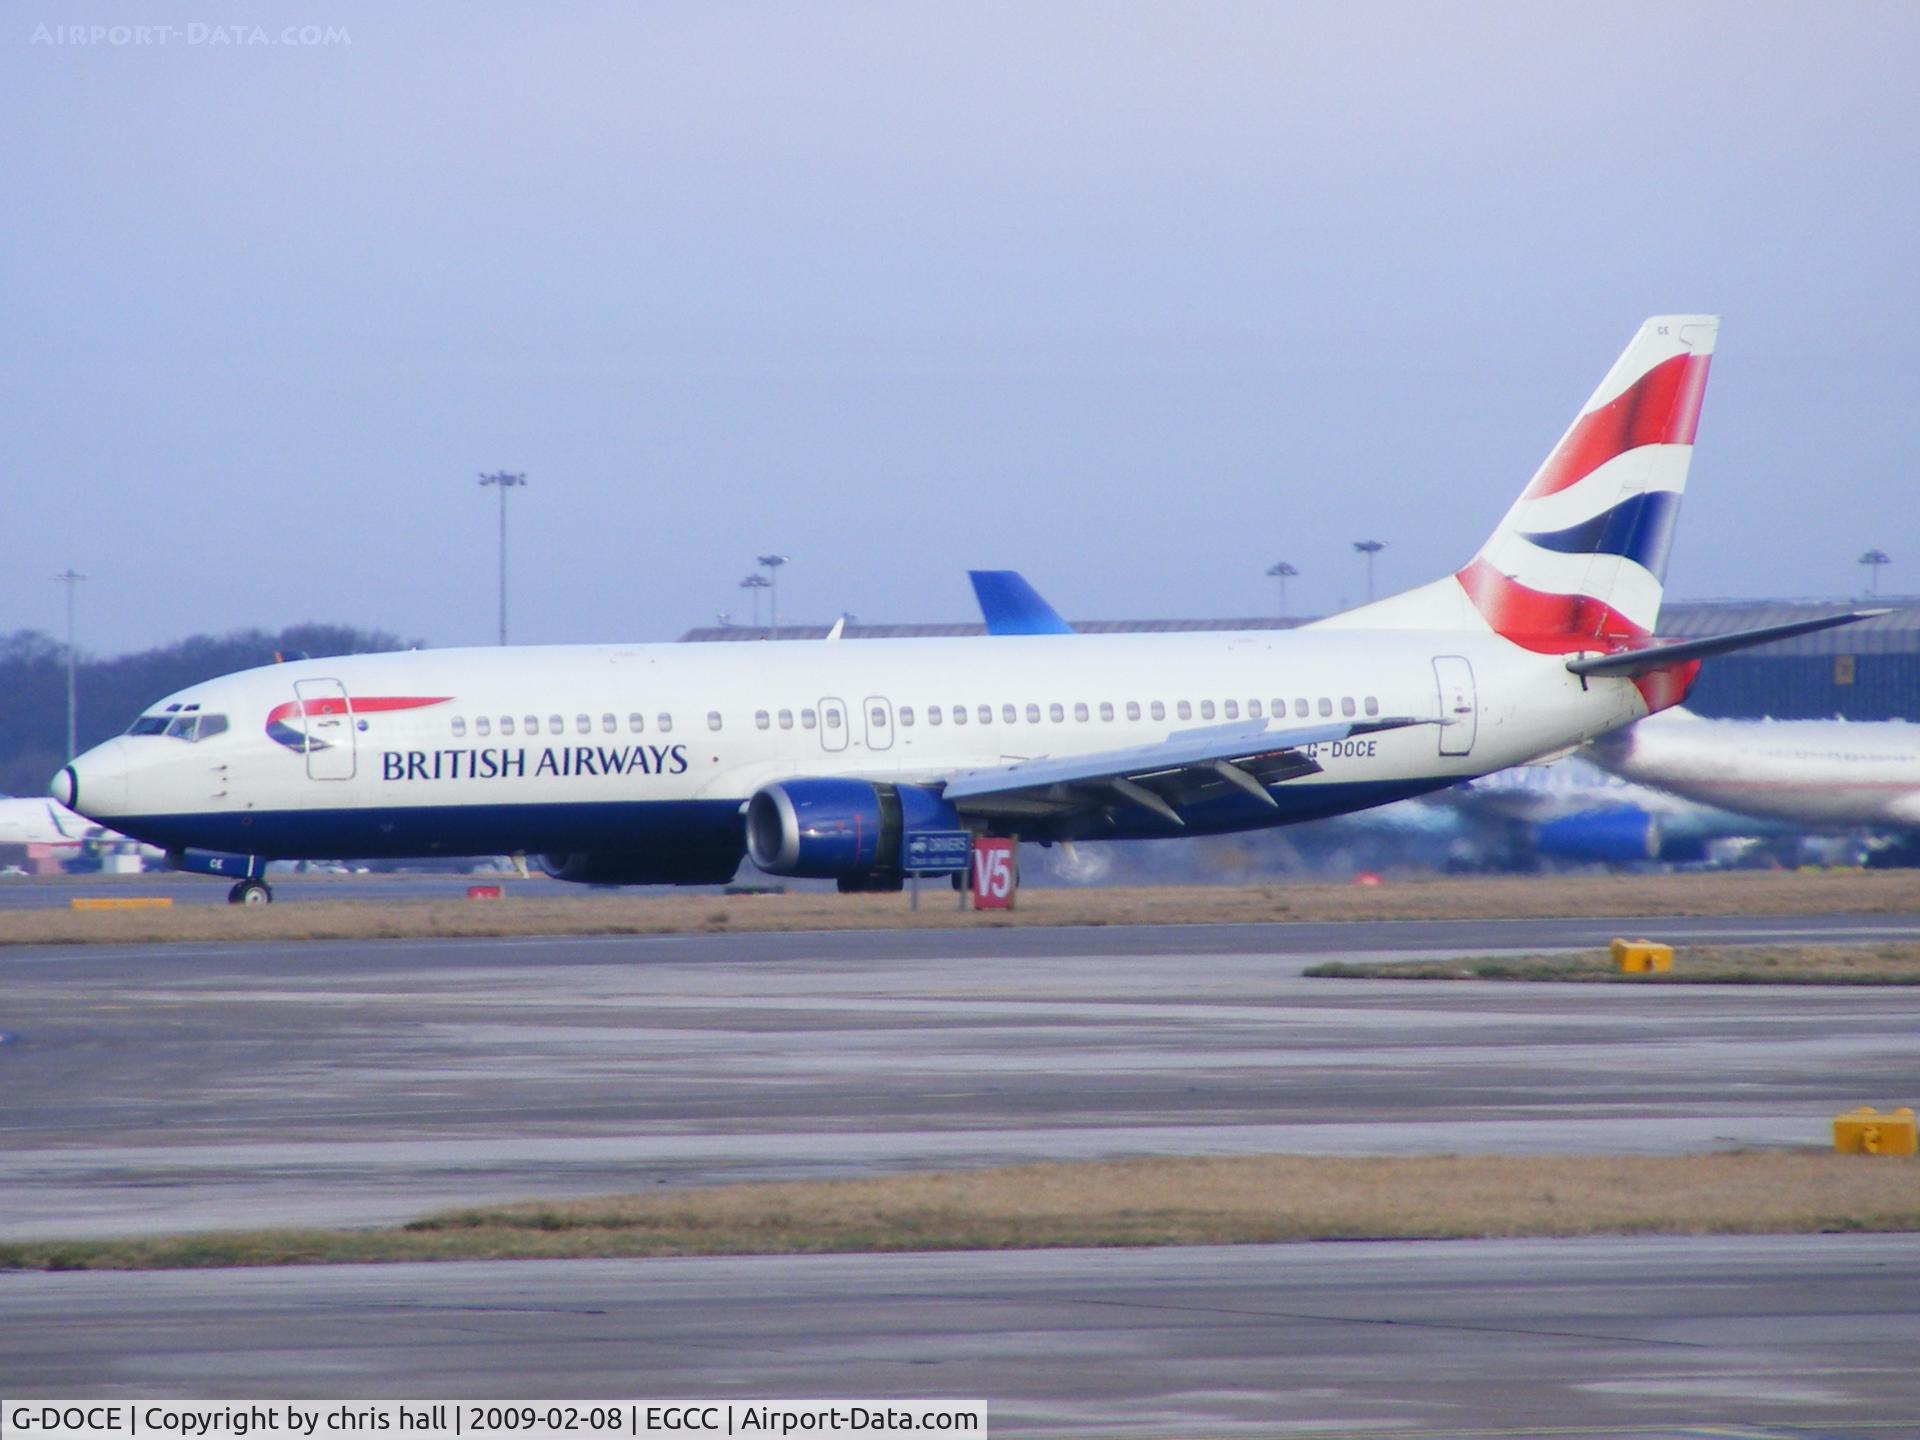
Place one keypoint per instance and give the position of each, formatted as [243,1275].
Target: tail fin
[1582,555]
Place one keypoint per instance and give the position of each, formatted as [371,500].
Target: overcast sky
[1136,299]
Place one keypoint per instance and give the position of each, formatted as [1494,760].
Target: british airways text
[518,764]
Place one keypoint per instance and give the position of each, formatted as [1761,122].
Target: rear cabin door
[1459,706]
[326,717]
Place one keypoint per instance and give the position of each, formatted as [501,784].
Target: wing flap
[1180,770]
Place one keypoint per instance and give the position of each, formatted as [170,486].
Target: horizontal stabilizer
[1654,657]
[1013,607]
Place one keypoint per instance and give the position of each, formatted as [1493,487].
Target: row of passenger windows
[1056,711]
[609,724]
[1082,712]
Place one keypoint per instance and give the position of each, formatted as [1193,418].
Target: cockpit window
[188,726]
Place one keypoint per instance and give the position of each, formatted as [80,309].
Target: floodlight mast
[505,480]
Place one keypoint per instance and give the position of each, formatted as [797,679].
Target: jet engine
[1605,837]
[853,831]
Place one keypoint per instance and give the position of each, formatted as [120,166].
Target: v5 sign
[994,875]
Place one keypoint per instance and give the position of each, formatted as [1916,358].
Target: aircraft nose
[94,784]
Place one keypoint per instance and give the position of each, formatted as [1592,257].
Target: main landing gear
[250,892]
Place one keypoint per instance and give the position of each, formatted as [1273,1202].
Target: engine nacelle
[846,830]
[695,865]
[1607,837]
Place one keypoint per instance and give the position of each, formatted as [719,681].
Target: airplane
[1819,774]
[862,761]
[25,821]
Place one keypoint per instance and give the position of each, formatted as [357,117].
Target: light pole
[70,578]
[1873,560]
[1369,548]
[1282,572]
[756,582]
[773,564]
[506,481]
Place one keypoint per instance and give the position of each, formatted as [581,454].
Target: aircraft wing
[1187,766]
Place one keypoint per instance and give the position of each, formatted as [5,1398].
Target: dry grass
[532,908]
[1888,964]
[1254,1200]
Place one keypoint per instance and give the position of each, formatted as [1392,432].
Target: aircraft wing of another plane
[1177,771]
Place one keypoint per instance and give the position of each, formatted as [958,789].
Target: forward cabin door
[326,718]
[1459,706]
[833,724]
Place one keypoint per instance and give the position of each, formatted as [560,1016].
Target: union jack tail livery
[1580,559]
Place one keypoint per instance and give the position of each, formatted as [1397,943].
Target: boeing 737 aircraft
[647,764]
[1844,774]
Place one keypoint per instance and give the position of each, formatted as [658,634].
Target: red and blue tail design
[1582,555]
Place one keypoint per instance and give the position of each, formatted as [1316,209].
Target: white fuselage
[1833,773]
[487,751]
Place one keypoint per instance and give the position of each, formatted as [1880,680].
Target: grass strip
[1250,1200]
[539,907]
[1895,963]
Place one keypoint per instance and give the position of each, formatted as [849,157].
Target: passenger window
[1326,706]
[761,720]
[609,725]
[786,719]
[459,726]
[1300,708]
[960,715]
[1056,712]
[832,712]
[555,725]
[808,719]
[1347,706]
[1206,709]
[1253,709]
[1008,715]
[666,723]
[1373,705]
[985,714]
[1184,710]
[878,717]
[933,714]
[636,723]
[1133,709]
[533,724]
[1080,710]
[506,725]
[1232,710]
[906,714]
[713,719]
[1159,710]
[1106,710]
[1033,714]
[583,724]
[483,726]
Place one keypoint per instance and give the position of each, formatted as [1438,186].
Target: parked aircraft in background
[1815,774]
[855,761]
[42,822]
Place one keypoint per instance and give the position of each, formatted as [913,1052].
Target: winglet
[1013,607]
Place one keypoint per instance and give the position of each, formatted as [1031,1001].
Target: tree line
[111,691]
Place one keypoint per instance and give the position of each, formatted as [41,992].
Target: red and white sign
[995,875]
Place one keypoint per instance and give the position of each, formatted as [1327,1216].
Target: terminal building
[1866,671]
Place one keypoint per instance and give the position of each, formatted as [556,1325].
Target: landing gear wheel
[250,892]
